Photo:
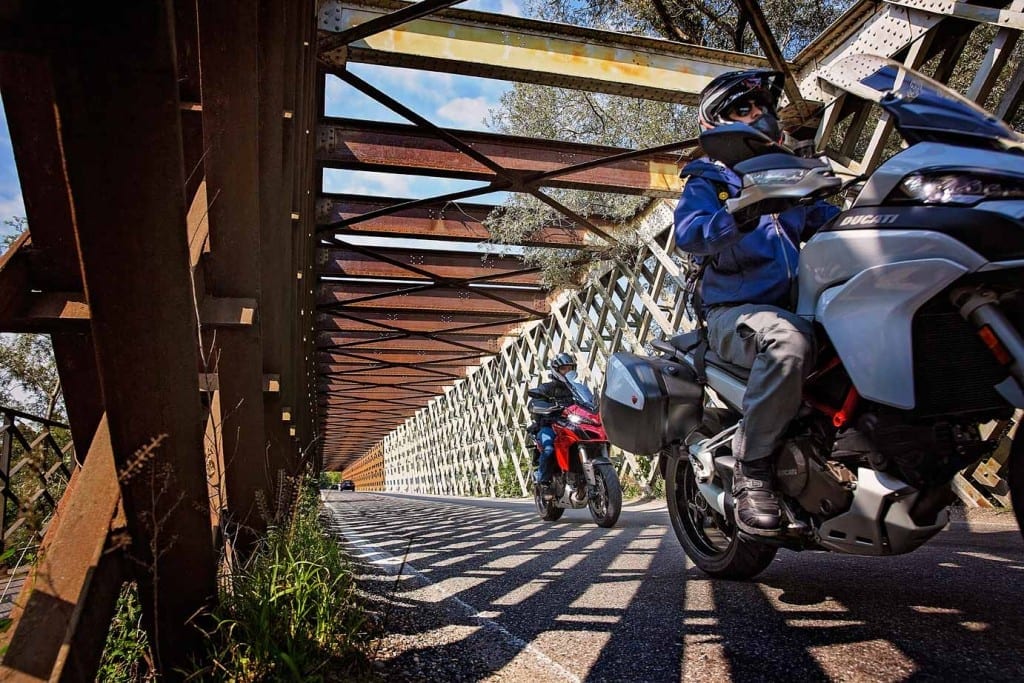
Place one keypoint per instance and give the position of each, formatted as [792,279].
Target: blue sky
[451,101]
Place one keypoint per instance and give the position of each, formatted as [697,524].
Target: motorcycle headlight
[575,419]
[960,188]
[776,176]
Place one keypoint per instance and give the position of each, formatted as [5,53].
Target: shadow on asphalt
[621,604]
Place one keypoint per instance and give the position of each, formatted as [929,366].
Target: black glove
[748,217]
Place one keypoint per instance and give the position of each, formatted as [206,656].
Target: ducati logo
[870,219]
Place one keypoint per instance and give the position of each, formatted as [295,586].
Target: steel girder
[515,49]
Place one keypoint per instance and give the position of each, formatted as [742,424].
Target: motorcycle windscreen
[923,109]
[581,393]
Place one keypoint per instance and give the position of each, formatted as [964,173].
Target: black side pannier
[648,403]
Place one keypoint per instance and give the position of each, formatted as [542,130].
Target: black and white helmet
[721,94]
[561,360]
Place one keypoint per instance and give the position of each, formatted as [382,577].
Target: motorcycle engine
[821,487]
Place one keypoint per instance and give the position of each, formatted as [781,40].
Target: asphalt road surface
[481,589]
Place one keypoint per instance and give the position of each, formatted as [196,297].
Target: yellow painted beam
[516,49]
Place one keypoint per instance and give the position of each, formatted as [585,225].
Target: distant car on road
[348,485]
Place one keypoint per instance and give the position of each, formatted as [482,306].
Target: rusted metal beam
[399,263]
[462,222]
[463,300]
[484,345]
[117,100]
[278,314]
[401,148]
[413,339]
[27,88]
[61,619]
[358,369]
[515,49]
[228,40]
[407,321]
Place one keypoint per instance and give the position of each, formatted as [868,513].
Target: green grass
[291,614]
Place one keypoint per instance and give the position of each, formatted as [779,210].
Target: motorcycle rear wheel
[607,504]
[708,538]
[1017,478]
[547,509]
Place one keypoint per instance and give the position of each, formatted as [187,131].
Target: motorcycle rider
[749,272]
[557,391]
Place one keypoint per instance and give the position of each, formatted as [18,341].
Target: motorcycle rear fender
[868,320]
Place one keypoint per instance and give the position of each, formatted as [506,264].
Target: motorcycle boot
[757,505]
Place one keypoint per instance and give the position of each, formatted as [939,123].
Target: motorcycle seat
[687,344]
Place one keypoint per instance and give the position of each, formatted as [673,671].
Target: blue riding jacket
[759,266]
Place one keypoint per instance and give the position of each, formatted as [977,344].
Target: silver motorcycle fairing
[830,258]
[869,318]
[928,157]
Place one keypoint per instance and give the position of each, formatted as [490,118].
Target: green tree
[585,117]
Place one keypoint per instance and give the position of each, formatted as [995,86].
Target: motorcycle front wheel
[606,503]
[708,538]
[547,509]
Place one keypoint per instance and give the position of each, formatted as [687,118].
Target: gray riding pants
[778,347]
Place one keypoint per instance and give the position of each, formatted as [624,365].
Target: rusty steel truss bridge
[221,324]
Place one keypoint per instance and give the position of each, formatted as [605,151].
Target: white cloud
[366,183]
[511,7]
[466,112]
[11,206]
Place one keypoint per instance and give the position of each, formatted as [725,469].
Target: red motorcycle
[585,476]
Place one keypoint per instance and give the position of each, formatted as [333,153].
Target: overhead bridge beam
[400,263]
[401,148]
[460,222]
[516,49]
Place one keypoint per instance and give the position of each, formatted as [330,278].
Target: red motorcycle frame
[585,476]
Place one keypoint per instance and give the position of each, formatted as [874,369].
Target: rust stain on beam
[401,148]
[515,49]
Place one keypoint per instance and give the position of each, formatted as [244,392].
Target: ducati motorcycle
[585,476]
[916,293]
